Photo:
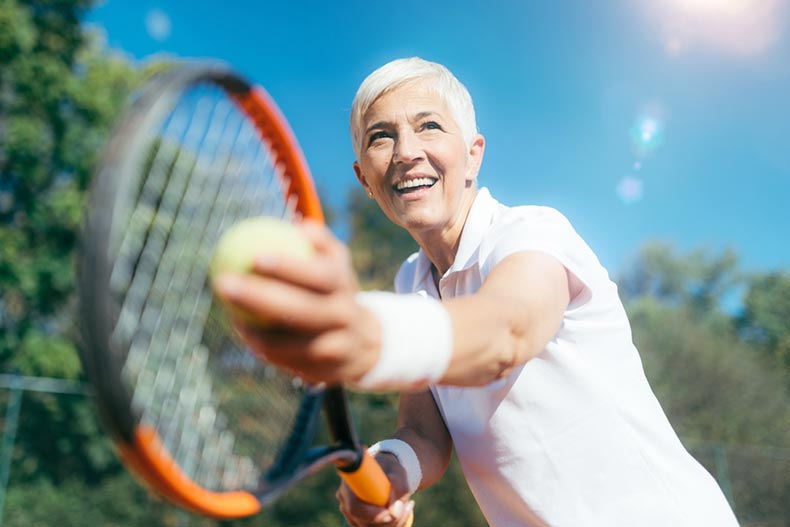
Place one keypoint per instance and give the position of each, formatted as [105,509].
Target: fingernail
[397,509]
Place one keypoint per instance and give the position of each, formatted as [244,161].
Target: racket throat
[341,427]
[296,449]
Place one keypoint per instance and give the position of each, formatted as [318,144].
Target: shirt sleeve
[545,230]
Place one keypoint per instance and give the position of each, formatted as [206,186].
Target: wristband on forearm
[406,457]
[416,341]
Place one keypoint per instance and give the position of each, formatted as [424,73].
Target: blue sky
[638,119]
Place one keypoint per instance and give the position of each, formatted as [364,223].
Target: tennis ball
[246,240]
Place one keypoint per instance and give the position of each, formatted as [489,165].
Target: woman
[511,346]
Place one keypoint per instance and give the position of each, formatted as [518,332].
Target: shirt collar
[477,221]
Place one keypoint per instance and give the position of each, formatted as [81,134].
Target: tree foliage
[696,281]
[765,321]
[59,94]
[378,247]
[60,91]
[726,401]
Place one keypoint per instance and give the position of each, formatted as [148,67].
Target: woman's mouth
[412,185]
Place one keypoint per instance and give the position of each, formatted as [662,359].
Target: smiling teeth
[411,183]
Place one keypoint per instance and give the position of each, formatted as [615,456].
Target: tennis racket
[193,413]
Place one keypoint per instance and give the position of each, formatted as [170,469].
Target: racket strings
[181,437]
[177,317]
[138,228]
[205,170]
[174,283]
[143,303]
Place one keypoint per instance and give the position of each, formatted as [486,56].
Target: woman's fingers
[302,315]
[328,271]
[404,519]
[273,302]
[316,357]
[359,513]
[319,274]
[303,294]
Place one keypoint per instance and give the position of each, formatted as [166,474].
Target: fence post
[9,438]
[722,472]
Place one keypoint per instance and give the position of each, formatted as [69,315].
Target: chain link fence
[754,478]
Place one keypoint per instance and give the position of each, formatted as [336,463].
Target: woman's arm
[515,313]
[421,426]
[323,334]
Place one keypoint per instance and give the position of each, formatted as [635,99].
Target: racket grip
[369,483]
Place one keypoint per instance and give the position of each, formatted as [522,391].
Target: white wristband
[406,457]
[416,341]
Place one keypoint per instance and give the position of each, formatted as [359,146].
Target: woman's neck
[441,245]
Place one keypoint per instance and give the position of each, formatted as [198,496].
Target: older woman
[511,345]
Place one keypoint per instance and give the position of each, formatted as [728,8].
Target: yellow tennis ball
[246,240]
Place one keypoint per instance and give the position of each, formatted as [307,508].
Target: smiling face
[415,164]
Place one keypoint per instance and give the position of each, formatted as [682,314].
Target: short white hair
[401,71]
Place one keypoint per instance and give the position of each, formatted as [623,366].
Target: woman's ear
[477,148]
[361,178]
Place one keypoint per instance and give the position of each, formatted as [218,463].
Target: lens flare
[647,134]
[158,25]
[630,189]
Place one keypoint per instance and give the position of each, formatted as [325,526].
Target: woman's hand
[301,314]
[397,513]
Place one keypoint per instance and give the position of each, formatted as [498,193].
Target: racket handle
[369,483]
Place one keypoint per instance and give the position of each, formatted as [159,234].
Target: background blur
[660,128]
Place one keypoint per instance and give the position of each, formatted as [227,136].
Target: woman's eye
[376,136]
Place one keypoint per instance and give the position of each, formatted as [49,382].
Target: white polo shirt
[575,437]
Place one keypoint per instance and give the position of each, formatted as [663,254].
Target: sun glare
[709,6]
[736,27]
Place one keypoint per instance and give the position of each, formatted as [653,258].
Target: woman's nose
[407,148]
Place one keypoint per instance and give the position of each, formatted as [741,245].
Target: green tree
[697,280]
[378,246]
[118,502]
[40,201]
[728,406]
[59,93]
[765,321]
